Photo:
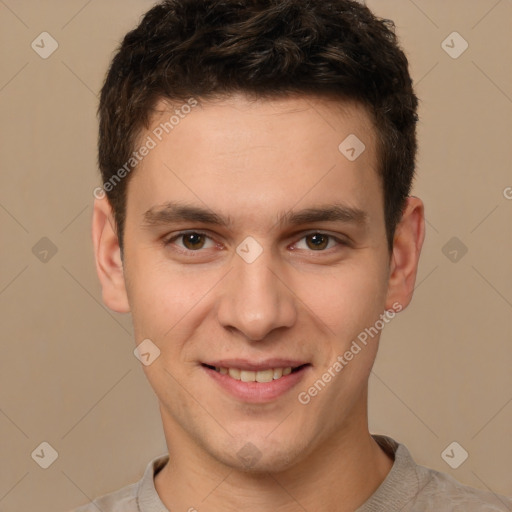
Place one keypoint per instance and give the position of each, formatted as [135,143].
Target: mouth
[256,382]
[261,375]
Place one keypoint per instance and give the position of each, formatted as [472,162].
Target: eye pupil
[193,240]
[319,241]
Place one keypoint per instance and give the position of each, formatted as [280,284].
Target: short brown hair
[265,48]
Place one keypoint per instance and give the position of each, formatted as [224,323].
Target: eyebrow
[171,213]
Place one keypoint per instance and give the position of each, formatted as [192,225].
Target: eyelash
[169,241]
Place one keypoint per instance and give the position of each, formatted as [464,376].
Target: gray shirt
[408,487]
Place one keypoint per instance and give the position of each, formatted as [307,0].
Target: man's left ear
[407,244]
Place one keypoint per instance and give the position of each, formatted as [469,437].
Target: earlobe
[107,253]
[407,244]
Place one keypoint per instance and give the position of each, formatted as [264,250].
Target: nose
[255,299]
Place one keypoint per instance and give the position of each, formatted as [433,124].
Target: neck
[340,475]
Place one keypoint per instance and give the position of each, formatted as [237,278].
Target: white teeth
[252,376]
[234,373]
[278,373]
[265,376]
[247,376]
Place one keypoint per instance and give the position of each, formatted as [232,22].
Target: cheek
[164,300]
[348,299]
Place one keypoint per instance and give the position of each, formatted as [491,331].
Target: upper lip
[255,366]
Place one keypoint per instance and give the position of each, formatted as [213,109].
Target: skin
[252,161]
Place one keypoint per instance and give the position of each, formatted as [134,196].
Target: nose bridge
[255,301]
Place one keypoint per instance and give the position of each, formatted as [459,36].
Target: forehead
[244,111]
[241,154]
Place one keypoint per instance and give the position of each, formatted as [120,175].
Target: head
[228,120]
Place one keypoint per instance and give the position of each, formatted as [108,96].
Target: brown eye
[193,241]
[189,242]
[317,241]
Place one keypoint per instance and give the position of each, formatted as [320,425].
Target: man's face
[267,289]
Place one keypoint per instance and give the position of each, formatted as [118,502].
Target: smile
[256,383]
[267,375]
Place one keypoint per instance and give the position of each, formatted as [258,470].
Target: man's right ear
[107,253]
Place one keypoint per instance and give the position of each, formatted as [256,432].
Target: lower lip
[257,392]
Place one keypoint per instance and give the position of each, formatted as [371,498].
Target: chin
[256,456]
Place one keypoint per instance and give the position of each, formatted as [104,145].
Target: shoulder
[442,492]
[122,500]
[130,497]
[410,487]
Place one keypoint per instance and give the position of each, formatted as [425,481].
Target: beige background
[68,375]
